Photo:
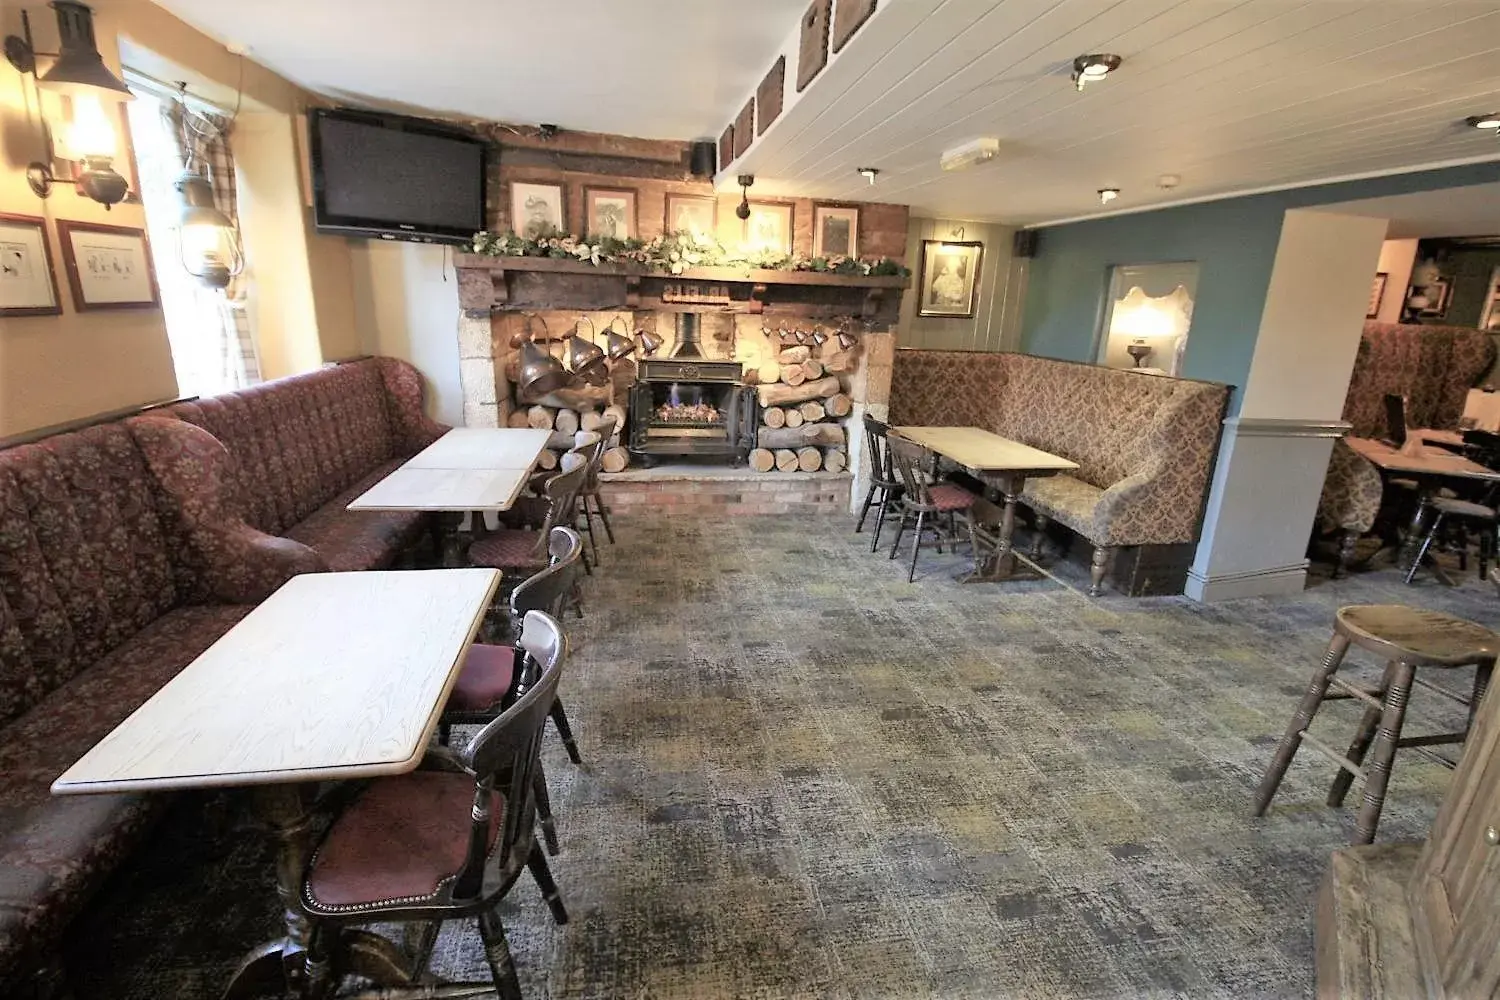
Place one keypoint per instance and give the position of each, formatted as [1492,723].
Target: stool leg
[1361,742]
[1306,709]
[1379,771]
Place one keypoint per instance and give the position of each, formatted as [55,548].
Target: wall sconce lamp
[77,72]
[208,242]
[743,208]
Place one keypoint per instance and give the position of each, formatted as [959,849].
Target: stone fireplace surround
[740,315]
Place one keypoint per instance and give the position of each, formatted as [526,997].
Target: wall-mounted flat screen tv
[395,177]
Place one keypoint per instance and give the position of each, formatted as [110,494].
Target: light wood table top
[1419,461]
[482,448]
[335,676]
[982,451]
[443,490]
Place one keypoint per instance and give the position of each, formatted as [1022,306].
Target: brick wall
[728,492]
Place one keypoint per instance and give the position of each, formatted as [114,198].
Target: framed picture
[1377,292]
[835,230]
[1439,294]
[536,209]
[769,228]
[691,213]
[28,283]
[108,266]
[1490,318]
[949,281]
[610,212]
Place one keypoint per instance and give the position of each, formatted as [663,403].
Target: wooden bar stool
[1407,638]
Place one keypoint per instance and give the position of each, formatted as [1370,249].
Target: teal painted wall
[1234,242]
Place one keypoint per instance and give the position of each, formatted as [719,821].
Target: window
[211,349]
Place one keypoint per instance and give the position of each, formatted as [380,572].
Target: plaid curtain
[203,143]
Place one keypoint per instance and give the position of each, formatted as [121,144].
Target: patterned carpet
[807,778]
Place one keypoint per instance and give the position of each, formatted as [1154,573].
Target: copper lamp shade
[618,347]
[541,373]
[650,343]
[846,340]
[587,360]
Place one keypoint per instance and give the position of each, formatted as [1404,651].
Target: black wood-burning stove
[687,405]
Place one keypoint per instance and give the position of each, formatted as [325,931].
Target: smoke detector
[970,153]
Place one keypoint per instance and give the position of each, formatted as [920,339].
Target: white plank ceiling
[1232,95]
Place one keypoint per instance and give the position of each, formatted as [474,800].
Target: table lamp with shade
[1152,322]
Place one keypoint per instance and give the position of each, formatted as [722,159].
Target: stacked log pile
[565,413]
[804,400]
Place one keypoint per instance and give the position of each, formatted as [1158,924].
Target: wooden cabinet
[1409,920]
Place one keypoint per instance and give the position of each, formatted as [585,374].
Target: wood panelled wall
[996,323]
[653,169]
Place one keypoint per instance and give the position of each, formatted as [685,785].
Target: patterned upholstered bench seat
[1145,444]
[126,549]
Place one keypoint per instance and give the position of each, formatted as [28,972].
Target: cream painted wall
[406,306]
[1313,316]
[1397,258]
[62,368]
[996,324]
[54,369]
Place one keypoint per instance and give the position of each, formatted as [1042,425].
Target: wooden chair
[590,500]
[449,840]
[488,680]
[1407,638]
[520,552]
[921,498]
[1457,516]
[882,479]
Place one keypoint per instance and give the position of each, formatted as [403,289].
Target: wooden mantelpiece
[488,283]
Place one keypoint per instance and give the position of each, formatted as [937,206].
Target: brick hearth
[727,490]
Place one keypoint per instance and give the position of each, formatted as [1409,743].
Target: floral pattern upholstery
[1144,444]
[54,850]
[1433,367]
[222,558]
[119,545]
[301,448]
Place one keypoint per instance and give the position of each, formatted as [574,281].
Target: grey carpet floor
[806,777]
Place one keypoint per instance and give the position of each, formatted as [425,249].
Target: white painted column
[1274,453]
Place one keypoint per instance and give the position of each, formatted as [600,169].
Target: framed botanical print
[769,228]
[835,230]
[949,280]
[536,209]
[610,213]
[28,282]
[691,213]
[108,266]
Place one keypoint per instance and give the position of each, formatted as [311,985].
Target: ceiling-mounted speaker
[705,158]
[1023,243]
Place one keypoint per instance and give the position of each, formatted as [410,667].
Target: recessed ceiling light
[1093,68]
[1107,195]
[1490,121]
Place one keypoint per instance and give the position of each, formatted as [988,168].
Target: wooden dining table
[335,677]
[1004,465]
[467,470]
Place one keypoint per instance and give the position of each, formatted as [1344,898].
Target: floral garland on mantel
[673,253]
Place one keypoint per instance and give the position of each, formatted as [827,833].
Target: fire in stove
[694,411]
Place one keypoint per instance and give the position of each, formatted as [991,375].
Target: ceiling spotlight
[970,153]
[869,174]
[1107,195]
[1093,68]
[1489,122]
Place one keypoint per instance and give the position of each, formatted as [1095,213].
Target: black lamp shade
[79,69]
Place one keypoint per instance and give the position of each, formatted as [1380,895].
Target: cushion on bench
[351,540]
[54,849]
